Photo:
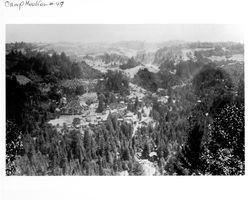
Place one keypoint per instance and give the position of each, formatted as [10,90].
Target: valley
[126,108]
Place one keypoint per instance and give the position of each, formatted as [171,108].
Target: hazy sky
[114,33]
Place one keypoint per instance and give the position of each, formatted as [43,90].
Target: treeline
[112,57]
[48,67]
[169,75]
[224,50]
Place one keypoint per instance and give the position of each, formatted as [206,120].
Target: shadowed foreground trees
[224,152]
[215,141]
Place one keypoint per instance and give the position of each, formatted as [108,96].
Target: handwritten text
[39,3]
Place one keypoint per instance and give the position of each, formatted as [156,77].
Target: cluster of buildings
[78,114]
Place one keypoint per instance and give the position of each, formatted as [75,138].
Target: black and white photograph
[124,100]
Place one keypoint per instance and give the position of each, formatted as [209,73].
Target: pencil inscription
[40,3]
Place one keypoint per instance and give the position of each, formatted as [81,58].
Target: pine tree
[101,105]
